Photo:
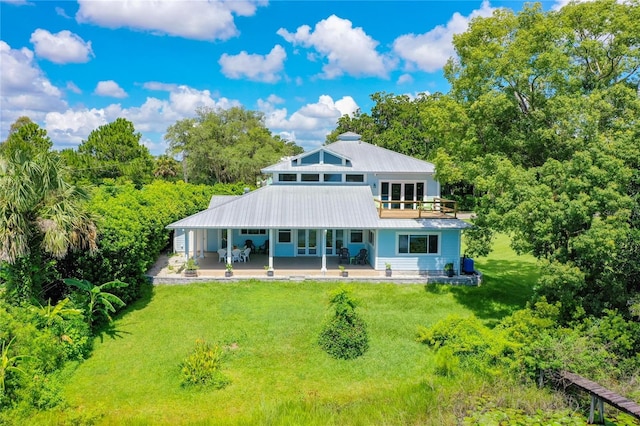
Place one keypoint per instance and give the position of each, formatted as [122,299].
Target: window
[253,232]
[332,177]
[284,235]
[356,236]
[331,159]
[355,178]
[310,177]
[372,238]
[417,244]
[287,177]
[311,158]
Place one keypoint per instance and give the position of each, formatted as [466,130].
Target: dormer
[320,156]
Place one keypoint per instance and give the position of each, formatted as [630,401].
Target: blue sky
[72,66]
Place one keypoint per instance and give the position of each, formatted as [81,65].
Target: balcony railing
[428,209]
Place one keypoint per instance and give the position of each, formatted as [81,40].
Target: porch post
[323,244]
[271,244]
[229,245]
[204,232]
[186,243]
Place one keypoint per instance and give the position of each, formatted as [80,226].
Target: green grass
[279,375]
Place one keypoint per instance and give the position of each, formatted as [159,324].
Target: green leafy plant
[8,364]
[387,266]
[101,303]
[344,335]
[191,265]
[203,367]
[229,267]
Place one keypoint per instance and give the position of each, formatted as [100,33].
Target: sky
[73,66]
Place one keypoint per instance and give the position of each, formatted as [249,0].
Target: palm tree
[41,219]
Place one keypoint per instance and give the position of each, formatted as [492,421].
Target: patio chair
[344,256]
[264,248]
[222,254]
[362,258]
[244,256]
[235,255]
[249,244]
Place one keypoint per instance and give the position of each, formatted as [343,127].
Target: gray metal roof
[295,206]
[364,157]
[218,200]
[304,207]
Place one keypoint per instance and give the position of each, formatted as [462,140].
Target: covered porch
[168,270]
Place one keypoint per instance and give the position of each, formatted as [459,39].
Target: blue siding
[212,240]
[284,249]
[449,242]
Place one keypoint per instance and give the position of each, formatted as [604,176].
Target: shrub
[344,335]
[203,367]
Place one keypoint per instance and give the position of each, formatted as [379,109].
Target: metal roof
[304,207]
[295,206]
[364,158]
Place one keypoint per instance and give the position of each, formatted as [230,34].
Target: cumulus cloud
[110,88]
[254,67]
[24,89]
[345,49]
[61,48]
[199,20]
[430,51]
[310,125]
[72,126]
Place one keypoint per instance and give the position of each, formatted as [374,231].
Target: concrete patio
[169,270]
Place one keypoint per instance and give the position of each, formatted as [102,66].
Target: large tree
[225,146]
[553,143]
[41,214]
[113,151]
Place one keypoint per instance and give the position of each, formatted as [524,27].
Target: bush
[203,367]
[344,335]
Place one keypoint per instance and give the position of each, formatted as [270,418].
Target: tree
[42,215]
[114,151]
[101,303]
[225,146]
[552,105]
[166,168]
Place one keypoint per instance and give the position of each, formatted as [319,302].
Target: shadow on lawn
[147,292]
[506,287]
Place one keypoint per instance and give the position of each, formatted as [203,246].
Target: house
[348,194]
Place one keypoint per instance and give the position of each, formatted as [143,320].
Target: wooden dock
[600,395]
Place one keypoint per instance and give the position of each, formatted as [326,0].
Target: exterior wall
[449,252]
[212,240]
[178,241]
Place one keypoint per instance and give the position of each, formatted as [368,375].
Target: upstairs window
[288,177]
[331,159]
[333,177]
[311,159]
[354,178]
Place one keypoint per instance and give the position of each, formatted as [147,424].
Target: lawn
[278,373]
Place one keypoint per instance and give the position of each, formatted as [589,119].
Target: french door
[402,191]
[307,242]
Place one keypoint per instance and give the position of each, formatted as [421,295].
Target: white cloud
[70,127]
[110,88]
[156,85]
[199,20]
[254,67]
[345,49]
[310,125]
[431,50]
[61,12]
[405,78]
[71,86]
[24,89]
[61,48]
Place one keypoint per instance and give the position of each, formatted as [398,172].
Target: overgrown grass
[278,373]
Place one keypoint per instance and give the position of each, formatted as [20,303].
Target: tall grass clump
[203,367]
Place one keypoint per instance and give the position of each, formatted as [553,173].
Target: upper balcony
[436,208]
